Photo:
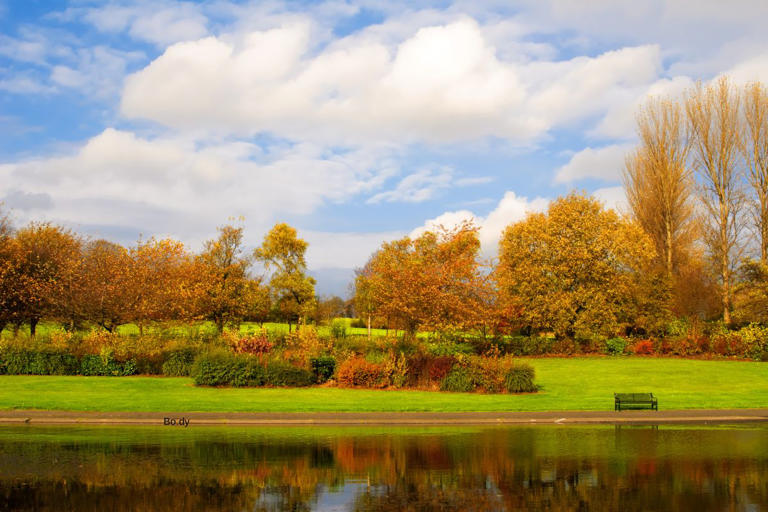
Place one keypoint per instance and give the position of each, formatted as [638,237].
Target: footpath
[192,419]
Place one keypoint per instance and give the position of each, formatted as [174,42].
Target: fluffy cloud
[158,22]
[512,208]
[183,187]
[602,163]
[441,84]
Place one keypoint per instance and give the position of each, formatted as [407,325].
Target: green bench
[635,401]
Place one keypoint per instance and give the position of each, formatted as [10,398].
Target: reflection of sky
[338,500]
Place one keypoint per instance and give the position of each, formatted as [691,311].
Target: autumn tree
[7,285]
[224,272]
[164,283]
[579,270]
[432,281]
[282,253]
[362,296]
[45,259]
[258,301]
[659,184]
[713,117]
[106,271]
[329,308]
[754,149]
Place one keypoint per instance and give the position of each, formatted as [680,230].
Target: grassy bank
[566,384]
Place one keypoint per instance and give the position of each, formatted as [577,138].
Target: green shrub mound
[519,379]
[459,380]
[323,368]
[225,369]
[615,346]
[178,363]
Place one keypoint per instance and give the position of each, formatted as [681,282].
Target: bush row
[461,373]
[226,369]
[32,362]
[51,361]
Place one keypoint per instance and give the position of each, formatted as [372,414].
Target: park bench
[635,401]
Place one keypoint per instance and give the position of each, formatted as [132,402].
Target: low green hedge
[227,369]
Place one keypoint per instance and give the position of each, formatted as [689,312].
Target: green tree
[282,253]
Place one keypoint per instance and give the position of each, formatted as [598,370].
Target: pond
[563,467]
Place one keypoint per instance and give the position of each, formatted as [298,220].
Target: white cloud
[512,208]
[344,249]
[158,22]
[184,187]
[417,187]
[603,163]
[612,197]
[439,84]
[98,72]
[619,121]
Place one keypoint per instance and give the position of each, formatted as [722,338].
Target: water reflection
[524,468]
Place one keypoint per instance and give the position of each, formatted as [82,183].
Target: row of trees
[698,186]
[576,270]
[697,189]
[49,272]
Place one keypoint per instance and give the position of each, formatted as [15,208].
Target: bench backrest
[634,397]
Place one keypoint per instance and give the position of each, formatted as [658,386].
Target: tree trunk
[289,326]
[726,292]
[668,248]
[33,326]
[141,329]
[369,328]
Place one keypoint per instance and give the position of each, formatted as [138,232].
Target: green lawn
[46,328]
[566,384]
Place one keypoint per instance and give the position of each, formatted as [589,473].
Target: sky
[357,122]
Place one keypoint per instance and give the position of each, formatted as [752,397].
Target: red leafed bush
[440,367]
[643,348]
[255,344]
[357,372]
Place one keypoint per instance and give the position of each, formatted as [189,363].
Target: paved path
[382,418]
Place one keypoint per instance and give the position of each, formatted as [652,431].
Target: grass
[45,329]
[566,384]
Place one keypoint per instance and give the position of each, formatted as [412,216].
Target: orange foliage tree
[433,281]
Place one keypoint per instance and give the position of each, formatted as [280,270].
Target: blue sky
[356,122]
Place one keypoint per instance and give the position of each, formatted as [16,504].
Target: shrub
[357,372]
[214,369]
[520,379]
[440,367]
[489,372]
[37,362]
[755,338]
[397,369]
[280,373]
[565,346]
[642,348]
[727,344]
[447,348]
[339,328]
[178,363]
[358,323]
[254,344]
[615,346]
[106,365]
[458,380]
[323,368]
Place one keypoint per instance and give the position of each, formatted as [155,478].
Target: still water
[385,469]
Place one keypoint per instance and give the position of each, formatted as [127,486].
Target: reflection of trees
[495,469]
